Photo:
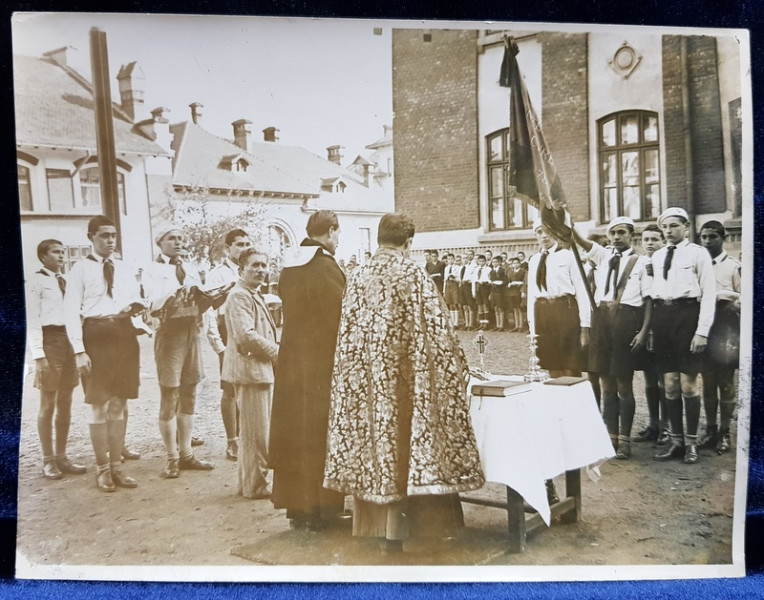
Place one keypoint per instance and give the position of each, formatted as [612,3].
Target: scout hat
[619,221]
[673,211]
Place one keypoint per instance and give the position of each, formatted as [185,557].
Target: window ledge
[54,215]
[505,235]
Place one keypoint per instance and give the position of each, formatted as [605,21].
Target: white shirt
[638,285]
[86,295]
[223,274]
[45,306]
[480,275]
[727,275]
[452,271]
[691,276]
[160,282]
[562,279]
[469,271]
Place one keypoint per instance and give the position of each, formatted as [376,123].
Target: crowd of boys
[672,312]
[482,291]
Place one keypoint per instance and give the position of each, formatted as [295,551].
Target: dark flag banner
[532,175]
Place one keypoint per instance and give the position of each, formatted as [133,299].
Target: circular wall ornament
[625,60]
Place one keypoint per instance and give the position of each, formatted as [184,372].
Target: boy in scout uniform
[101,296]
[684,298]
[721,356]
[54,359]
[177,350]
[620,324]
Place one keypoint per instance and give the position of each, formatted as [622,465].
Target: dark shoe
[663,438]
[194,464]
[51,471]
[67,466]
[104,481]
[709,439]
[624,450]
[171,469]
[648,434]
[195,441]
[128,454]
[724,444]
[674,451]
[232,451]
[122,480]
[691,454]
[551,493]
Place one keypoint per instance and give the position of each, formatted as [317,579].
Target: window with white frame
[629,165]
[90,190]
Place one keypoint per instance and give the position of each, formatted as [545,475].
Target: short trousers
[177,352]
[112,346]
[558,327]
[674,326]
[62,367]
[611,334]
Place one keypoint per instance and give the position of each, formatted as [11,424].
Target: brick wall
[705,179]
[565,114]
[435,128]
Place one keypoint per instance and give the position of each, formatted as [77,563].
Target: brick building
[636,121]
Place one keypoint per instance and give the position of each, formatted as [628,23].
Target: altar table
[532,436]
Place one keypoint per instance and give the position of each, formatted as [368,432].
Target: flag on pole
[532,176]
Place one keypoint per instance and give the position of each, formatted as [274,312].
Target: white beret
[619,221]
[163,231]
[537,223]
[673,211]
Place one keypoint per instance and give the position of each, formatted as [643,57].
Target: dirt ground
[640,512]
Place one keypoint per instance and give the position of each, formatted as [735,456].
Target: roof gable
[54,108]
[273,168]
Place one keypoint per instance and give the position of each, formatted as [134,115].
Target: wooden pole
[104,124]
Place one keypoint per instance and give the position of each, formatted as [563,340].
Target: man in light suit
[248,365]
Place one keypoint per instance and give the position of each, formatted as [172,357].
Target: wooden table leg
[515,521]
[573,490]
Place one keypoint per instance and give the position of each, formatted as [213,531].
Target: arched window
[629,158]
[90,189]
[504,212]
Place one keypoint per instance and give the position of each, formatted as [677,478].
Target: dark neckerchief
[108,273]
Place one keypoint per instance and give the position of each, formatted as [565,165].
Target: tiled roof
[54,107]
[273,168]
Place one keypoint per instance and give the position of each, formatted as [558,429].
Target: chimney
[60,55]
[130,78]
[241,133]
[157,128]
[333,154]
[196,112]
[270,134]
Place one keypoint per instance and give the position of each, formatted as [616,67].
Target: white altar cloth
[536,435]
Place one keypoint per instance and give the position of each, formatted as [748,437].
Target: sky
[320,82]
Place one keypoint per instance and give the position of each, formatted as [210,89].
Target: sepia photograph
[370,300]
